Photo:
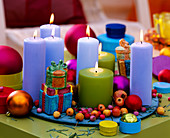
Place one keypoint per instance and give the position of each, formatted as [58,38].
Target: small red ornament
[72,36]
[39,110]
[71,75]
[159,95]
[154,91]
[164,75]
[10,61]
[168,98]
[102,116]
[87,116]
[153,95]
[133,102]
[85,111]
[36,103]
[19,103]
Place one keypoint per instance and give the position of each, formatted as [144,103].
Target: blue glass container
[110,40]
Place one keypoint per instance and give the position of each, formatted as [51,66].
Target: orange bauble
[19,103]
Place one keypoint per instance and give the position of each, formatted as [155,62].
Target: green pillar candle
[107,60]
[95,87]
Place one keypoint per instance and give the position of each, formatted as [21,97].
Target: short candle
[95,87]
[106,60]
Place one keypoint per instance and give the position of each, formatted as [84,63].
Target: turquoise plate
[87,122]
[162,87]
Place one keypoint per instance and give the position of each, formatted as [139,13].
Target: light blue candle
[87,54]
[33,65]
[54,50]
[45,30]
[141,71]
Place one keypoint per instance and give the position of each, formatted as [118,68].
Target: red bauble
[133,102]
[164,75]
[72,36]
[71,75]
[10,61]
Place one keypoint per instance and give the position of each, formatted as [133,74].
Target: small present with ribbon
[123,58]
[56,77]
[59,102]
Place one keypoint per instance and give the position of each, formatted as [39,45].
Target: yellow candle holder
[12,80]
[108,128]
[162,24]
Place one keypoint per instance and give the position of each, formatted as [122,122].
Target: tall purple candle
[87,52]
[33,65]
[141,71]
[45,30]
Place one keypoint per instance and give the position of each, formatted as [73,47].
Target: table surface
[35,127]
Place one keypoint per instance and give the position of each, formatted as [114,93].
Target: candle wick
[96,71]
[141,42]
[52,36]
[88,37]
[34,37]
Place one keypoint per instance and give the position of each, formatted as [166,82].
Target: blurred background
[20,17]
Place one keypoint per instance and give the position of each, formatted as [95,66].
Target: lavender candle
[87,53]
[33,65]
[46,30]
[54,49]
[141,71]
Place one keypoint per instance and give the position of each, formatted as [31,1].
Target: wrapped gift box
[4,92]
[60,102]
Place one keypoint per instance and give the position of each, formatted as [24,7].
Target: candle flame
[52,18]
[100,48]
[141,35]
[53,32]
[96,67]
[35,34]
[88,31]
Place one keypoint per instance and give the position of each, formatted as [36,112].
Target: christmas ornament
[119,101]
[136,113]
[133,102]
[19,103]
[72,64]
[165,51]
[120,94]
[92,118]
[124,111]
[160,110]
[72,36]
[70,111]
[164,75]
[121,83]
[102,117]
[79,117]
[101,107]
[4,92]
[107,112]
[56,114]
[129,118]
[116,112]
[10,61]
[87,116]
[71,76]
